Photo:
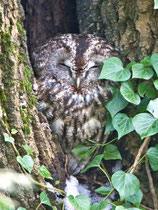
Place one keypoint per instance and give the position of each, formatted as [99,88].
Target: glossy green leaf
[21,208]
[156,84]
[99,206]
[44,199]
[143,105]
[125,183]
[120,208]
[44,172]
[7,138]
[13,131]
[129,65]
[145,124]
[152,154]
[146,89]
[142,72]
[94,163]
[128,93]
[117,103]
[103,190]
[155,4]
[83,151]
[153,107]
[26,162]
[28,149]
[146,61]
[108,127]
[123,124]
[135,199]
[154,60]
[111,152]
[57,182]
[80,202]
[113,70]
[6,203]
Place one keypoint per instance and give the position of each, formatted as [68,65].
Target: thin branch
[147,208]
[151,184]
[141,150]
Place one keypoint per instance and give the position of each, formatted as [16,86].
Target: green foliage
[123,124]
[125,183]
[103,190]
[135,199]
[152,154]
[45,200]
[155,4]
[26,162]
[113,70]
[99,206]
[94,163]
[44,172]
[111,152]
[80,202]
[8,138]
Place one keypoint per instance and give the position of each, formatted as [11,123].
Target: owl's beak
[78,81]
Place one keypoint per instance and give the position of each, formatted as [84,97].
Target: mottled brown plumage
[69,93]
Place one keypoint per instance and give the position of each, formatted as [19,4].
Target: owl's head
[73,60]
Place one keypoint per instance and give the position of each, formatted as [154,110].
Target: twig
[151,184]
[147,208]
[140,151]
[66,166]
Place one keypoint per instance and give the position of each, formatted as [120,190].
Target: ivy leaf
[123,124]
[117,103]
[99,206]
[108,127]
[146,61]
[13,131]
[127,91]
[111,153]
[80,202]
[7,138]
[83,151]
[103,190]
[144,89]
[143,105]
[113,70]
[26,162]
[155,4]
[145,124]
[142,72]
[28,149]
[120,208]
[6,203]
[135,199]
[125,183]
[44,199]
[94,163]
[44,172]
[129,65]
[154,57]
[153,107]
[152,154]
[156,84]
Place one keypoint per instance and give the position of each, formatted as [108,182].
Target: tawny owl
[69,92]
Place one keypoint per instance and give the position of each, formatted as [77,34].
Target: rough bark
[18,105]
[45,19]
[130,25]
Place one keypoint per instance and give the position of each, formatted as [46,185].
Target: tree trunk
[130,25]
[18,106]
